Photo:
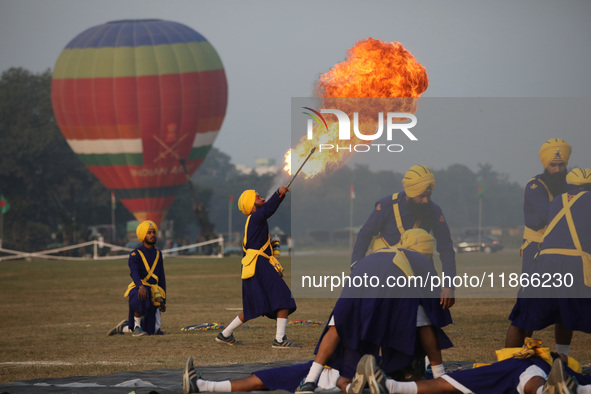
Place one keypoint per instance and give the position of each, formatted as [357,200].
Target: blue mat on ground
[161,381]
[155,381]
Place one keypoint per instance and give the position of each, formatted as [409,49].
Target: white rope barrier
[186,247]
[96,245]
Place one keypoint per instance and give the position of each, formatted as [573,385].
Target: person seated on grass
[530,370]
[400,322]
[147,291]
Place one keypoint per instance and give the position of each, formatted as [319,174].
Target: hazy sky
[275,50]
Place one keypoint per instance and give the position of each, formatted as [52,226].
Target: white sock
[232,326]
[401,387]
[347,388]
[203,385]
[281,324]
[137,321]
[209,386]
[438,370]
[540,390]
[158,322]
[584,389]
[126,329]
[222,387]
[314,373]
[563,349]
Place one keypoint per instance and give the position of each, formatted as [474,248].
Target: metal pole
[479,219]
[350,225]
[113,230]
[300,169]
[230,223]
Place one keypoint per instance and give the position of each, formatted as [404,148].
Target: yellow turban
[579,176]
[143,228]
[246,201]
[554,149]
[417,180]
[418,240]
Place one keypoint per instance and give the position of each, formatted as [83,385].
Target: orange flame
[373,68]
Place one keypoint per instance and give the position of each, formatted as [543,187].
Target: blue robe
[540,307]
[266,292]
[536,202]
[502,377]
[383,222]
[138,272]
[284,378]
[498,378]
[370,318]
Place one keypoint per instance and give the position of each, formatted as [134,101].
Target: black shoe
[376,379]
[359,380]
[138,332]
[284,344]
[306,387]
[190,378]
[118,329]
[559,381]
[227,340]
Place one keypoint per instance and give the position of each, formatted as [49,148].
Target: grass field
[56,315]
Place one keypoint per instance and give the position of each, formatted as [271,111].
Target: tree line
[54,198]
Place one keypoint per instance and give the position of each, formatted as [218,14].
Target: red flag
[231,200]
[4,205]
[352,192]
[113,201]
[480,191]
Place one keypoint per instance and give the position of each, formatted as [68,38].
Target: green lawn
[57,313]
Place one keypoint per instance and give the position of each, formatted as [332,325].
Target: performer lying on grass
[283,378]
[536,374]
[513,374]
[400,321]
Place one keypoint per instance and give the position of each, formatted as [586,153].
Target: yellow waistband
[586,257]
[532,235]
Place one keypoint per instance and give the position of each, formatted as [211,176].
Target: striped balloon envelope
[141,103]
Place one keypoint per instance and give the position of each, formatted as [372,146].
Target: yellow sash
[530,235]
[578,250]
[400,260]
[533,235]
[249,261]
[155,288]
[396,208]
[531,348]
[379,242]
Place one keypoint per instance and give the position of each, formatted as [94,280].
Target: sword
[299,169]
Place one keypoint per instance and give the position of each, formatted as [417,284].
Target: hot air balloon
[140,102]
